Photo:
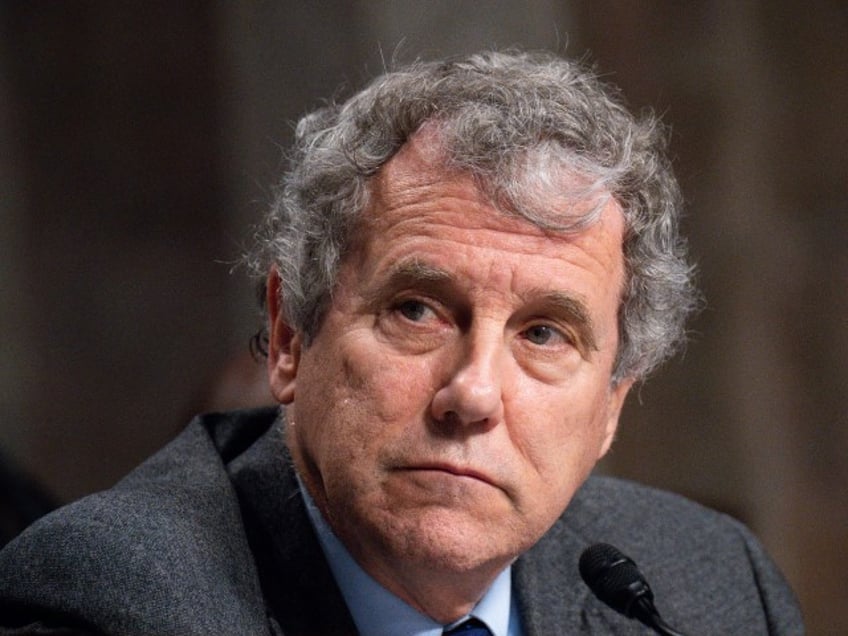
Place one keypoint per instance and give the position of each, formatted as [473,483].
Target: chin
[450,543]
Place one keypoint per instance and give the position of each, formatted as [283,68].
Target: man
[468,266]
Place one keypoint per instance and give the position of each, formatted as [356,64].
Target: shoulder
[603,501]
[656,522]
[164,551]
[707,570]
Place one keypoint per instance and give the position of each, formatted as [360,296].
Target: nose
[473,392]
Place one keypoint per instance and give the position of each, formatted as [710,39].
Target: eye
[413,310]
[544,335]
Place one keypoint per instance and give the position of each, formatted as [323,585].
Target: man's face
[458,390]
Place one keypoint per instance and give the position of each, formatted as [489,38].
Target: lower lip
[437,478]
[434,488]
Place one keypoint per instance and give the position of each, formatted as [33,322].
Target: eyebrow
[409,273]
[414,270]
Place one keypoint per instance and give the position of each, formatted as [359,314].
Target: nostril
[452,425]
[451,418]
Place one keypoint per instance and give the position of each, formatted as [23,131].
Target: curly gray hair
[515,122]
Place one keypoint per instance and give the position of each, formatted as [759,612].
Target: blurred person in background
[22,499]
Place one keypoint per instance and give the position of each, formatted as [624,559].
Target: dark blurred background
[139,142]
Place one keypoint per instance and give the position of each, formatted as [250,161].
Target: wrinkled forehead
[539,183]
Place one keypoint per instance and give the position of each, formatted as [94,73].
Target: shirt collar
[378,612]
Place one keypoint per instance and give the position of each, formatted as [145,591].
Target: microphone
[616,581]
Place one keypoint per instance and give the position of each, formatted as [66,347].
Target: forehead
[414,194]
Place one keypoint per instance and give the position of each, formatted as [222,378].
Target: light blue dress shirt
[378,612]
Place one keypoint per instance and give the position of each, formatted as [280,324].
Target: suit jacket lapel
[552,599]
[300,592]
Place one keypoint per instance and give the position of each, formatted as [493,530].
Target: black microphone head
[614,578]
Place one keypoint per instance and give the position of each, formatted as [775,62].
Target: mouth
[451,470]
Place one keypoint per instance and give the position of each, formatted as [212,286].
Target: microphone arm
[648,615]
[616,580]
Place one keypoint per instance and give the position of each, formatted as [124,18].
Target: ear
[284,344]
[615,402]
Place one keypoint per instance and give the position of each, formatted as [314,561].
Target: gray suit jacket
[210,536]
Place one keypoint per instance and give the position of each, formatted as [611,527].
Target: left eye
[542,334]
[413,310]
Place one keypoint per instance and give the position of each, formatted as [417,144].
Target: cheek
[392,389]
[561,434]
[356,399]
